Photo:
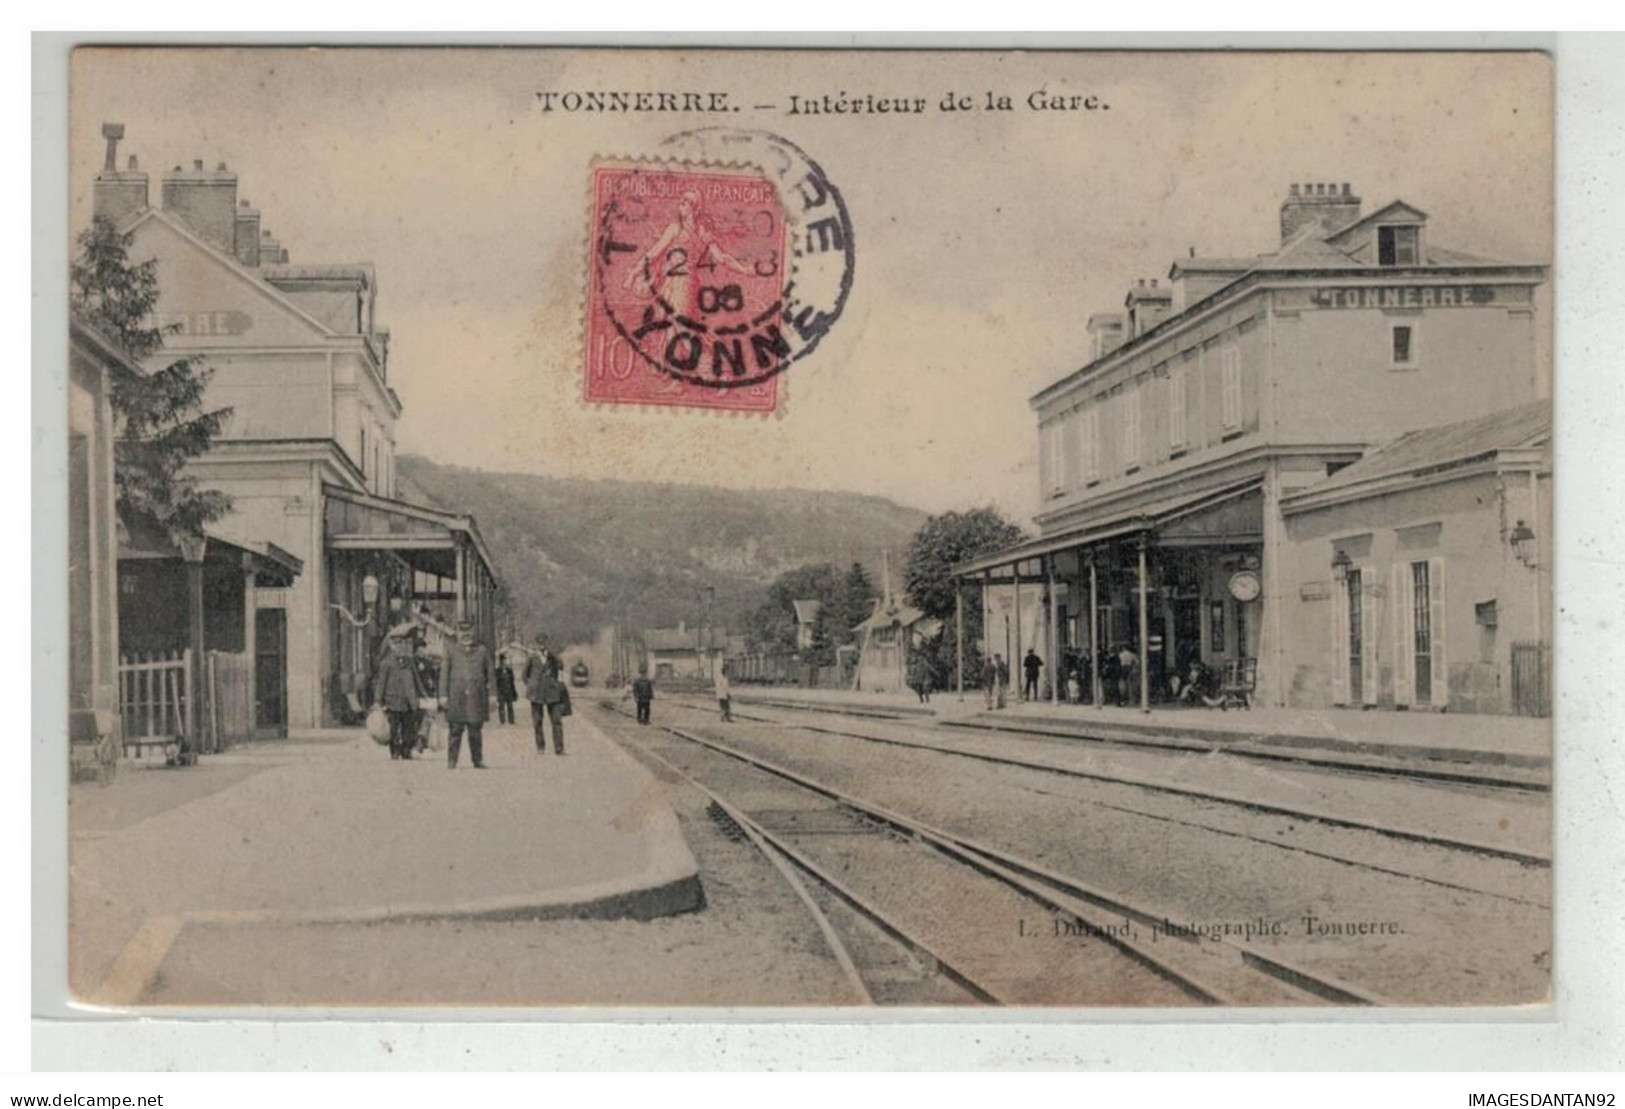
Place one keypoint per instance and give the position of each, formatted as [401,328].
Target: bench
[1240,680]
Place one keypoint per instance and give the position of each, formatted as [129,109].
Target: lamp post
[193,549]
[1341,564]
[1523,544]
[710,599]
[1527,552]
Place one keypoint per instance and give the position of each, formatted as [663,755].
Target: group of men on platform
[468,679]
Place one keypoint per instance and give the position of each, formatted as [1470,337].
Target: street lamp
[1523,544]
[369,603]
[1341,565]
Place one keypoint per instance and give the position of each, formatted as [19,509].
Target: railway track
[1003,929]
[1110,737]
[1411,835]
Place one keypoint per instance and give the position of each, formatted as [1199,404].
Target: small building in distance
[683,652]
[806,620]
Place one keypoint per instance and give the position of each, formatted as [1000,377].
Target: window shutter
[1131,428]
[1230,370]
[1441,665]
[1069,450]
[1340,644]
[1399,606]
[1176,411]
[1368,637]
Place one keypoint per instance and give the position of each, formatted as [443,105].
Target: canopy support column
[1145,631]
[1054,638]
[1095,690]
[1014,659]
[959,637]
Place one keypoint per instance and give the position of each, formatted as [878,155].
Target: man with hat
[466,680]
[548,696]
[396,689]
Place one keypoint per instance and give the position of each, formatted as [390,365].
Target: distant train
[579,674]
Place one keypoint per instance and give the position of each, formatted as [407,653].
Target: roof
[94,339]
[226,261]
[1212,265]
[339,271]
[883,616]
[806,611]
[1111,525]
[438,516]
[1445,447]
[143,541]
[683,639]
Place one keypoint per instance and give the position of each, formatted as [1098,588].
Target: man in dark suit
[397,689]
[466,679]
[548,695]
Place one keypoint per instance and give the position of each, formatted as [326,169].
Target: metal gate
[1532,679]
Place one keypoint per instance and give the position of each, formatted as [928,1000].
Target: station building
[1213,402]
[308,455]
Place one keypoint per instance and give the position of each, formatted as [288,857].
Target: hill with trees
[575,555]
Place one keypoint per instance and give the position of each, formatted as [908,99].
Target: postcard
[786,528]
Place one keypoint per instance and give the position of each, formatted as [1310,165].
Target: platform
[326,828]
[1517,749]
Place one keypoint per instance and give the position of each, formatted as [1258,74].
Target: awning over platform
[427,539]
[271,565]
[1232,514]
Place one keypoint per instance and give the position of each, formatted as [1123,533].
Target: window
[363,459]
[1399,246]
[1069,449]
[1176,411]
[1230,387]
[1422,631]
[1402,351]
[1131,429]
[1052,458]
[1089,445]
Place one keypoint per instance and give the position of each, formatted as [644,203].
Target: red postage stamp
[686,288]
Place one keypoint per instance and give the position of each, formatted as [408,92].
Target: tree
[854,602]
[822,650]
[160,416]
[941,543]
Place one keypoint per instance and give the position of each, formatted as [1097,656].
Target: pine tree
[160,416]
[822,650]
[856,601]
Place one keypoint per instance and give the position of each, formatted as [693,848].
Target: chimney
[1148,305]
[118,196]
[247,236]
[1328,206]
[206,201]
[1105,334]
[270,249]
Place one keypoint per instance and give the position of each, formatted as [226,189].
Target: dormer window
[1399,245]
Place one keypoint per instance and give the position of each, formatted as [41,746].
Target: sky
[983,240]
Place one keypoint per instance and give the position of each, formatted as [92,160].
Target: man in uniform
[396,688]
[547,695]
[466,680]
